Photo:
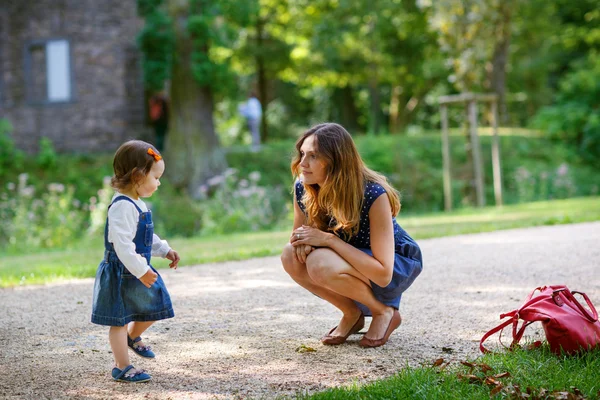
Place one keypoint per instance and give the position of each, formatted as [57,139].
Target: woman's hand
[306,235]
[301,252]
[149,278]
[174,257]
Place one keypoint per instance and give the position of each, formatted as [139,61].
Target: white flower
[562,169]
[216,180]
[254,176]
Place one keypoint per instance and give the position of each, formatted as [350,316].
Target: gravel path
[240,327]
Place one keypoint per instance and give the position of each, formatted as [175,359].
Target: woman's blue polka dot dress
[408,262]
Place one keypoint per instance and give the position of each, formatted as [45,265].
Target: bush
[11,159]
[575,116]
[53,219]
[240,205]
[413,164]
[174,212]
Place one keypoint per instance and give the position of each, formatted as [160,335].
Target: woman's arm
[300,252]
[378,268]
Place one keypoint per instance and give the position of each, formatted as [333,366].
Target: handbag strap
[514,320]
[499,328]
[592,318]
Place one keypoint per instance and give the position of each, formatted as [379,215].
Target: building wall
[108,95]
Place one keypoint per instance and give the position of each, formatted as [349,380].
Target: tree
[183,41]
[361,47]
[261,53]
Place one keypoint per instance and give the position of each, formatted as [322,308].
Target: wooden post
[477,166]
[446,159]
[496,165]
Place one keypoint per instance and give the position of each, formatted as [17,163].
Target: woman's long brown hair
[341,195]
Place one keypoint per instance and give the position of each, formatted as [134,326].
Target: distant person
[252,111]
[159,116]
[346,246]
[129,294]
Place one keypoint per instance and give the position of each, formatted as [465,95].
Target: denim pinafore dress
[120,297]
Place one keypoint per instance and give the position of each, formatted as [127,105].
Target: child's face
[151,182]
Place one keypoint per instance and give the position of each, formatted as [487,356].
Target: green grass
[81,260]
[540,373]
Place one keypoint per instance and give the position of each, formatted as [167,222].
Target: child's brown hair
[132,162]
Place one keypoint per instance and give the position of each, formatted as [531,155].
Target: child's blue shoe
[143,351]
[125,375]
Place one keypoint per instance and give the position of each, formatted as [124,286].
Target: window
[48,71]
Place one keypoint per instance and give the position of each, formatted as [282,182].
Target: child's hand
[174,257]
[149,278]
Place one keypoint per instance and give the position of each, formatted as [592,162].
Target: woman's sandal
[394,323]
[138,376]
[142,351]
[335,340]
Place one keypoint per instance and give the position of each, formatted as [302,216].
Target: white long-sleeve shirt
[122,225]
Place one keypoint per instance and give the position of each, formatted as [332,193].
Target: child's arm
[161,248]
[174,257]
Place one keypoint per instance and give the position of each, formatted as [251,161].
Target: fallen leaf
[491,381]
[485,368]
[438,362]
[496,390]
[305,349]
[470,378]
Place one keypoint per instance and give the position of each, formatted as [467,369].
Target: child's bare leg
[117,336]
[136,329]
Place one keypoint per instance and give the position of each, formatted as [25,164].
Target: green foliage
[98,208]
[575,117]
[156,40]
[148,7]
[240,205]
[11,158]
[46,159]
[533,168]
[50,220]
[175,213]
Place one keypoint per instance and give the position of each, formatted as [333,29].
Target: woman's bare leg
[330,277]
[298,272]
[330,271]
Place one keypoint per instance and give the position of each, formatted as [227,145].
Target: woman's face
[312,166]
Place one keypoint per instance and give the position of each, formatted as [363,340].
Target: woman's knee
[319,265]
[289,262]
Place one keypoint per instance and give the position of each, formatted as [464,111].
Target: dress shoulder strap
[129,200]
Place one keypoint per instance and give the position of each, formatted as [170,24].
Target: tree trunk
[374,106]
[192,147]
[394,108]
[500,59]
[262,79]
[344,110]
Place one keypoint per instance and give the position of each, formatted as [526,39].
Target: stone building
[70,71]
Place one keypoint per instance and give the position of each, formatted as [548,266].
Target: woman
[346,246]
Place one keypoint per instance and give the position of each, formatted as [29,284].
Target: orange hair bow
[157,157]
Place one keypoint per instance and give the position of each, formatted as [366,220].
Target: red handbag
[569,326]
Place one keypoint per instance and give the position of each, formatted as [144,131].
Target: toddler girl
[129,294]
